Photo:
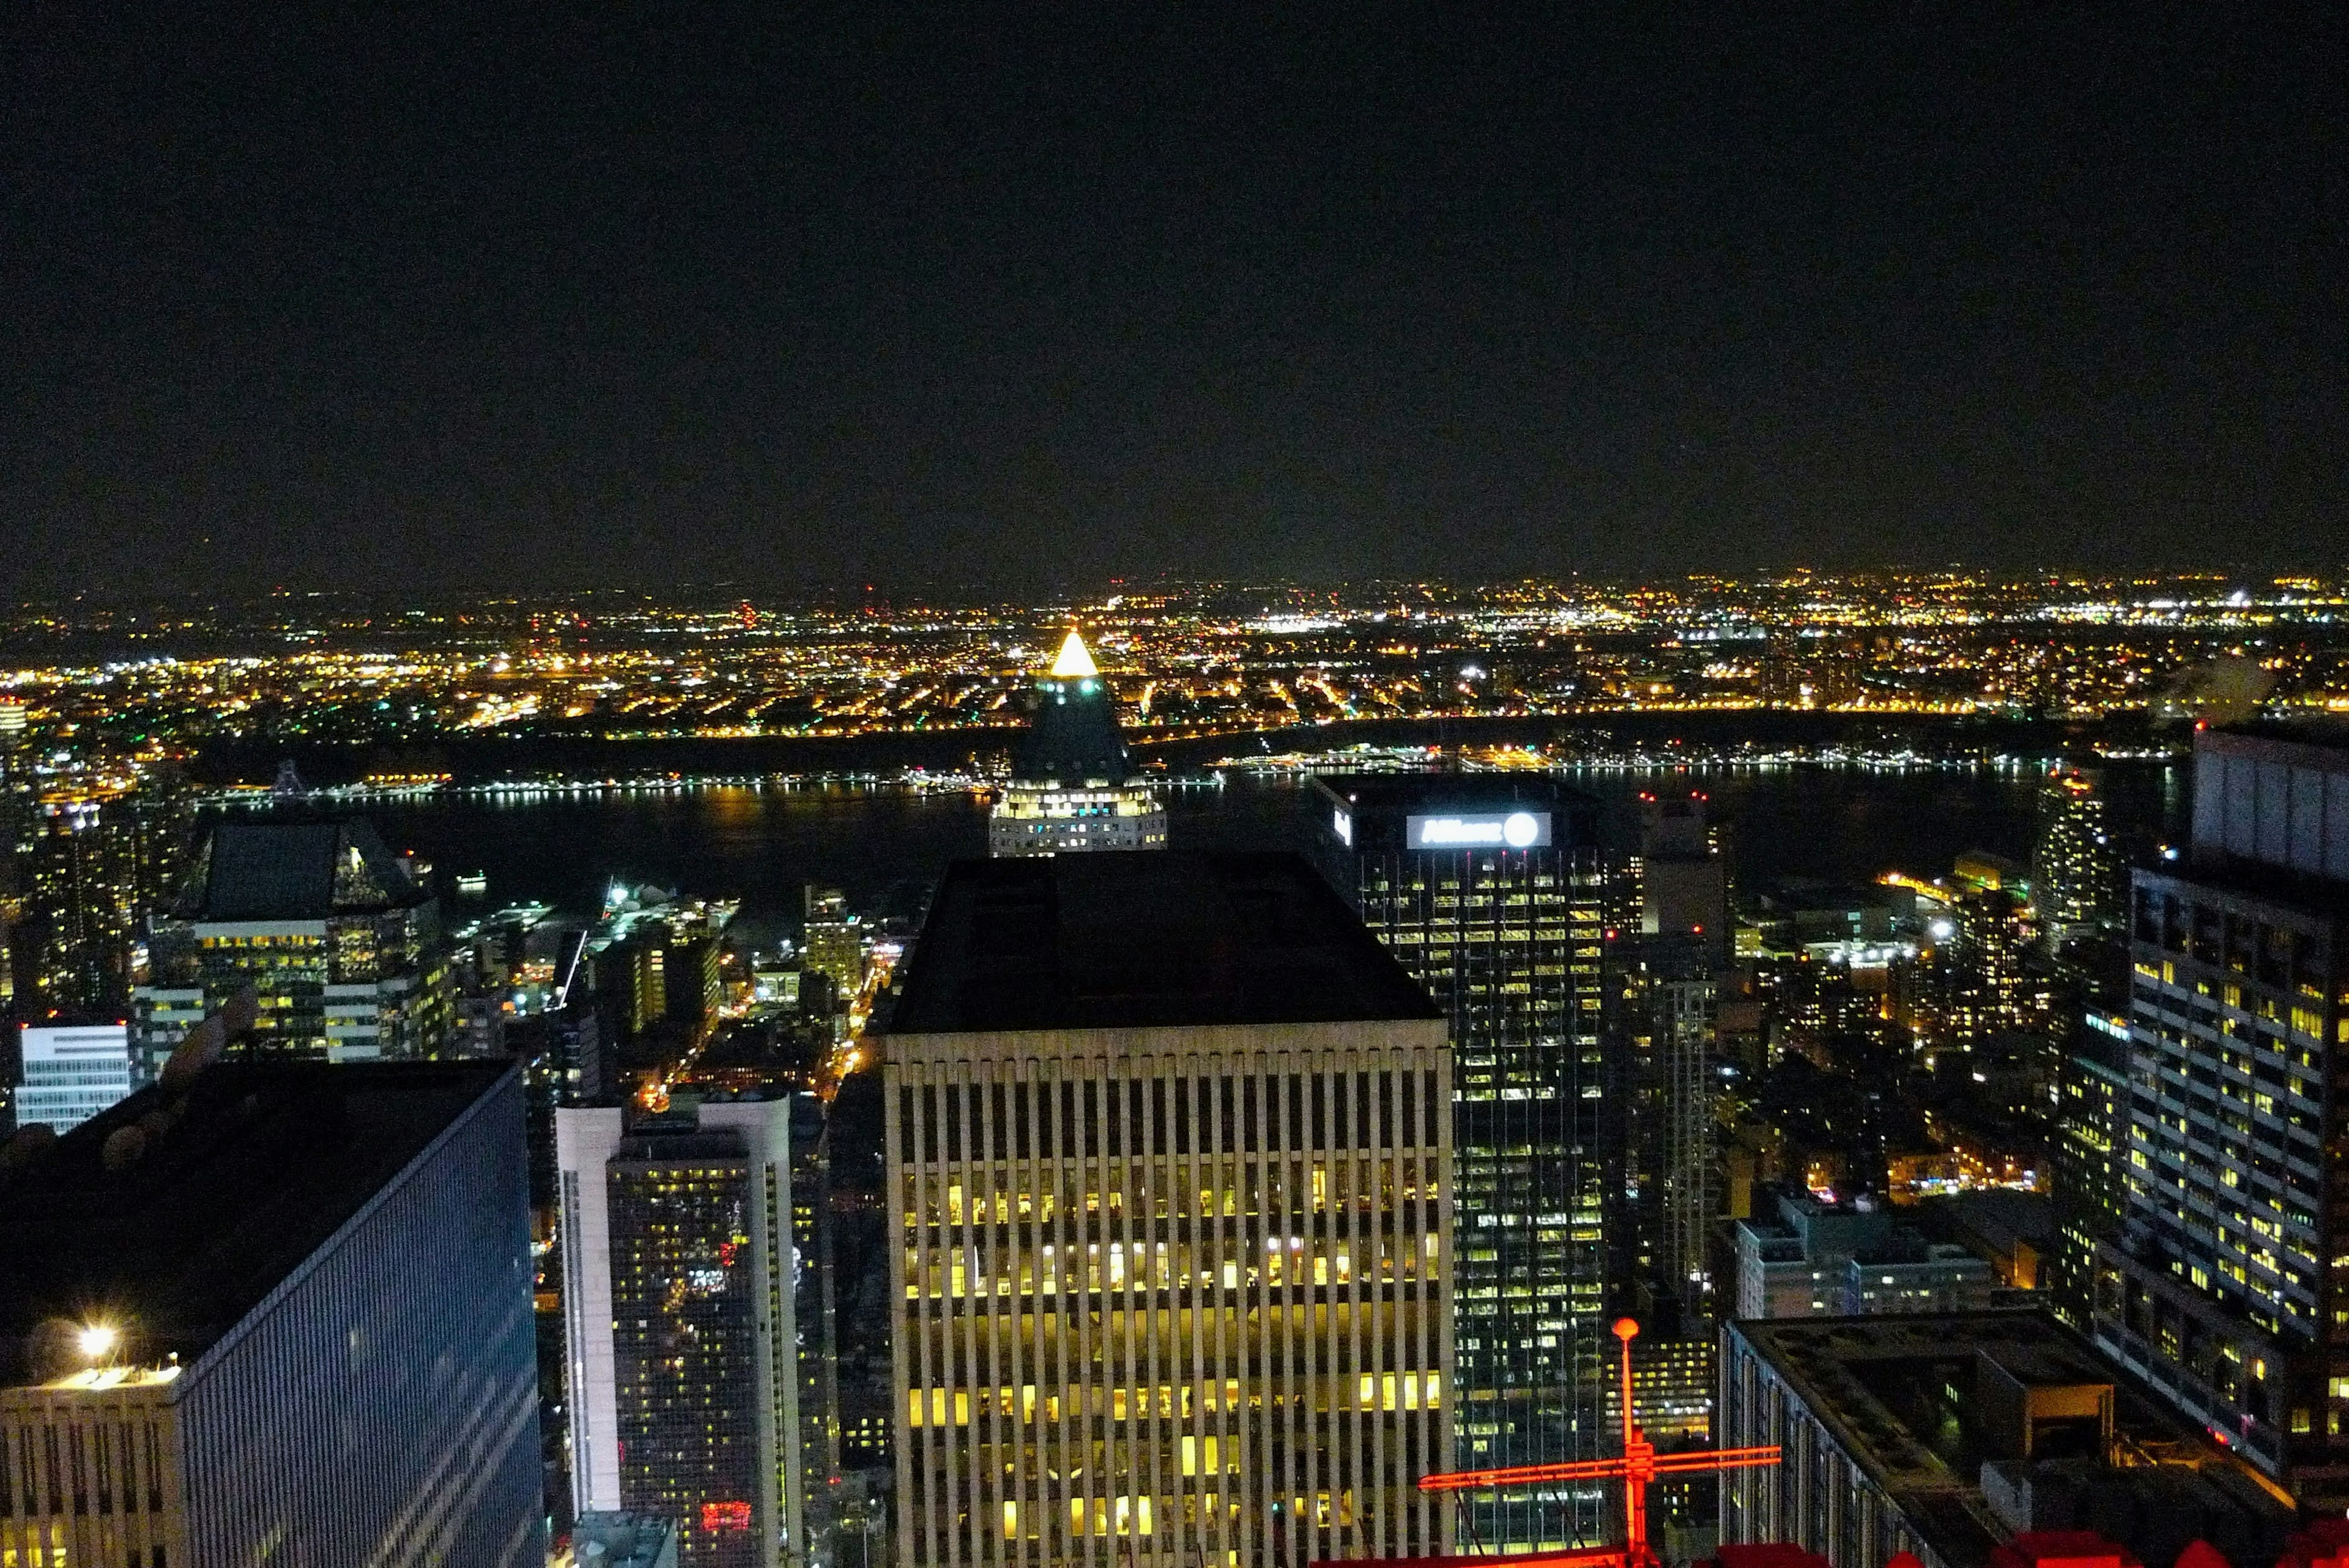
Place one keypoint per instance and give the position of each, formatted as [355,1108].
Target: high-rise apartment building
[1667,979]
[70,1072]
[98,861]
[679,1300]
[2224,1287]
[1492,893]
[2077,877]
[832,942]
[1073,787]
[274,1312]
[1169,1139]
[342,947]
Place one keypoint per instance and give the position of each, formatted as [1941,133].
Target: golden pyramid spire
[1074,662]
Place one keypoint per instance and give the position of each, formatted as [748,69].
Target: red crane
[1640,1465]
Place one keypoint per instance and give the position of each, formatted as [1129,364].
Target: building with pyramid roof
[1073,787]
[336,936]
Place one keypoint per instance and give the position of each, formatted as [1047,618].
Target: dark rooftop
[1895,1391]
[1147,939]
[265,1164]
[294,871]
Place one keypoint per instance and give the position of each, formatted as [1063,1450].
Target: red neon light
[718,1516]
[1640,1465]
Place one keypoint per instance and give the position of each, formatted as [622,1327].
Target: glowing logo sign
[1492,830]
[1342,822]
[719,1517]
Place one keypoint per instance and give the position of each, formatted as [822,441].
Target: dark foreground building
[274,1312]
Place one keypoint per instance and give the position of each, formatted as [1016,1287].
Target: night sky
[958,297]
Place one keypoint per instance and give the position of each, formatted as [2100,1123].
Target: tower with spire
[1073,787]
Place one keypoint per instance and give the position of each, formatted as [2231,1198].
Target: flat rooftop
[1883,1386]
[1150,939]
[266,1162]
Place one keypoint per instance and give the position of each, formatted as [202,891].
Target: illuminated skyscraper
[1073,787]
[274,1312]
[2077,878]
[2226,1287]
[679,1305]
[97,863]
[1168,1138]
[342,946]
[1492,892]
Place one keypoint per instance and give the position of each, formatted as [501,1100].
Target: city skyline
[879,787]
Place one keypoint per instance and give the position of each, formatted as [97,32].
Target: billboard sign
[1479,830]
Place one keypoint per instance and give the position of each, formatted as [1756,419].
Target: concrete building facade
[1169,1140]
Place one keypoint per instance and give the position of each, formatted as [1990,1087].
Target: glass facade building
[1491,890]
[2227,1287]
[301,1325]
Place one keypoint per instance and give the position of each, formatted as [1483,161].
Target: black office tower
[1492,892]
[274,1312]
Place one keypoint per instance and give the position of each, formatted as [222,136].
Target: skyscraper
[1170,1139]
[2076,872]
[341,947]
[2224,1287]
[679,1299]
[1073,787]
[1668,976]
[815,1329]
[1492,892]
[98,860]
[273,1312]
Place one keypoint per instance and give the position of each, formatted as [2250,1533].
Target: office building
[1667,979]
[1816,1257]
[1170,1139]
[816,1341]
[2224,1286]
[339,941]
[70,1072]
[1958,1437]
[1492,893]
[678,1309]
[1073,788]
[2090,1146]
[274,1312]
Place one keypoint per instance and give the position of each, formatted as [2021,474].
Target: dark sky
[472,300]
